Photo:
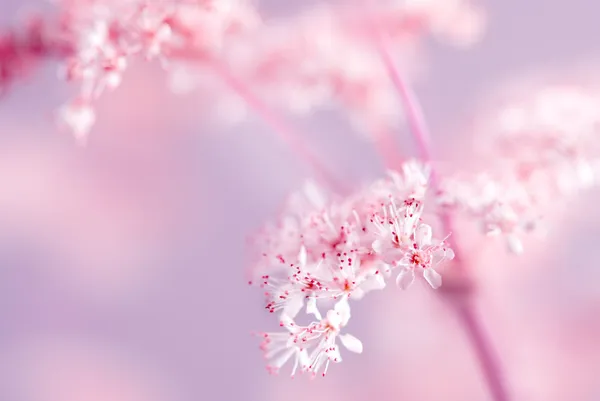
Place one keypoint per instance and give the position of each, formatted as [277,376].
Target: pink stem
[470,322]
[285,132]
[386,145]
[483,350]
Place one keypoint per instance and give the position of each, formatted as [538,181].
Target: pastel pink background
[121,264]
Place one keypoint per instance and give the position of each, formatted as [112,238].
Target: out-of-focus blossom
[79,117]
[547,143]
[321,58]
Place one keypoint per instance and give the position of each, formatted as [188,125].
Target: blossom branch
[386,146]
[285,132]
[21,50]
[420,132]
[483,349]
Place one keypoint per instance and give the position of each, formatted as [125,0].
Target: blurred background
[122,264]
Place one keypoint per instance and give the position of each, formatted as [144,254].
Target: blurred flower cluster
[299,63]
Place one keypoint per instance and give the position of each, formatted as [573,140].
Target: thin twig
[464,309]
[287,133]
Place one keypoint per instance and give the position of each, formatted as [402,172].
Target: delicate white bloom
[314,346]
[502,208]
[326,249]
[79,117]
[279,348]
[423,256]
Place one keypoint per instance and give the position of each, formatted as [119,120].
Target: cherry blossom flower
[318,338]
[279,348]
[548,150]
[406,243]
[424,256]
[459,22]
[325,334]
[338,250]
[299,63]
[79,117]
[501,206]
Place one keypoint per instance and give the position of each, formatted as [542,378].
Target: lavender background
[122,264]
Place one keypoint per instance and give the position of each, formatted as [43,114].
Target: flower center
[419,259]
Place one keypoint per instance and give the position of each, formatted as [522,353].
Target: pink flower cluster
[328,252]
[22,50]
[325,252]
[107,35]
[547,148]
[299,63]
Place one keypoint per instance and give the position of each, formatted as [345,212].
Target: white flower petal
[303,357]
[358,294]
[280,360]
[351,343]
[287,322]
[343,309]
[315,195]
[433,278]
[311,308]
[377,246]
[302,256]
[514,244]
[405,278]
[292,306]
[334,319]
[374,282]
[423,235]
[442,254]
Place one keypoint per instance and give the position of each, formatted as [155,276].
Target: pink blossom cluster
[547,148]
[22,50]
[325,252]
[324,58]
[298,63]
[107,35]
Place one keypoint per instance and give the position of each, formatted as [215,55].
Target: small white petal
[514,244]
[279,361]
[287,322]
[343,309]
[377,246]
[423,235]
[311,308]
[386,270]
[79,118]
[334,319]
[585,174]
[351,343]
[303,358]
[293,305]
[302,256]
[315,195]
[433,278]
[374,282]
[358,294]
[491,231]
[405,278]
